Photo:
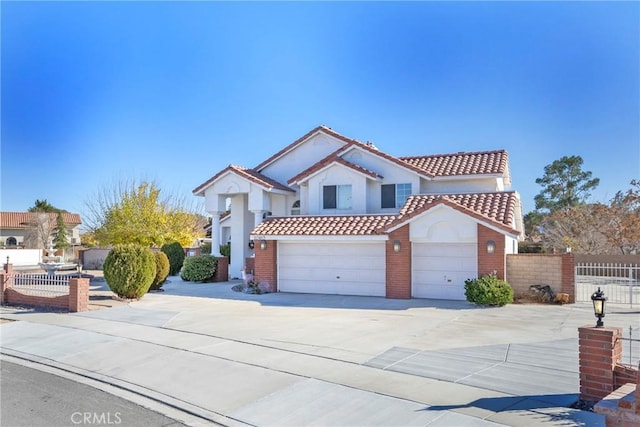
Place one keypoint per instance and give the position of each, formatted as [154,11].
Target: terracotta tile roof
[13,220]
[250,174]
[498,207]
[322,128]
[331,158]
[375,151]
[476,163]
[324,225]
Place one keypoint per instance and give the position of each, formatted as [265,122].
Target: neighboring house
[330,214]
[27,229]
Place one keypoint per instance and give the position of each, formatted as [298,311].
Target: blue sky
[96,92]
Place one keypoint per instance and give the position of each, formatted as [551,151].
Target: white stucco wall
[510,245]
[443,224]
[338,175]
[302,157]
[227,185]
[443,185]
[21,257]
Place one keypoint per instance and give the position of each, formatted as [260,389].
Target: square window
[336,197]
[394,195]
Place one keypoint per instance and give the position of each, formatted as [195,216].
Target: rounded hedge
[162,270]
[175,253]
[129,270]
[199,268]
[488,290]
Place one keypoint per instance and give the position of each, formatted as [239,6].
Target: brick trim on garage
[265,262]
[488,263]
[398,264]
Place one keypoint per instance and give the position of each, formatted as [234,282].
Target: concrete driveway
[292,359]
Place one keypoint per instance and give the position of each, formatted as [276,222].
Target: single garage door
[440,269]
[342,268]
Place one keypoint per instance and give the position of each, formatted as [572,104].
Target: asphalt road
[32,398]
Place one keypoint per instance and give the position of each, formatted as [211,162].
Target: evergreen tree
[60,240]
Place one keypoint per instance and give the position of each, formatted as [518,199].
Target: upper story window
[295,209]
[395,195]
[336,197]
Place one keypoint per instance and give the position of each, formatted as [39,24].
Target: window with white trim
[336,197]
[394,195]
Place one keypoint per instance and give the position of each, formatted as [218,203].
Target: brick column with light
[599,351]
[266,262]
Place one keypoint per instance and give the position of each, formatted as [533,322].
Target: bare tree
[40,230]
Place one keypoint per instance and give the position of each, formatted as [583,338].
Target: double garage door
[440,269]
[343,268]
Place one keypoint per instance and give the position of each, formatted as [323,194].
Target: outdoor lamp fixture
[491,247]
[251,244]
[396,246]
[599,301]
[263,244]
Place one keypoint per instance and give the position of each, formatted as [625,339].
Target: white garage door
[332,268]
[440,269]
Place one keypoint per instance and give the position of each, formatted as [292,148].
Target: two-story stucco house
[28,229]
[329,214]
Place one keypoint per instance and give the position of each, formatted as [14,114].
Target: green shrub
[199,268]
[175,253]
[129,270]
[205,248]
[225,250]
[488,290]
[162,270]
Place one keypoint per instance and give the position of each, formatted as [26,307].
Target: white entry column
[215,234]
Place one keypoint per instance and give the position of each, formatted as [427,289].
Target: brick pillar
[250,265]
[488,263]
[266,260]
[568,285]
[78,295]
[398,264]
[599,351]
[6,280]
[222,270]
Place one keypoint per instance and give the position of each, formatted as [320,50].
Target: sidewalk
[291,359]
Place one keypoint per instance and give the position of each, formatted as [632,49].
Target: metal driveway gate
[619,282]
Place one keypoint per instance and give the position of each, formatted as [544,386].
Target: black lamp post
[599,301]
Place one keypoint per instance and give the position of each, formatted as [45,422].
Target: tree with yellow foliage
[133,212]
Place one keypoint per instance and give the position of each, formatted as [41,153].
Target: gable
[301,155]
[389,170]
[443,224]
[497,210]
[235,179]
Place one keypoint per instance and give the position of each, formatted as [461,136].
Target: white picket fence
[619,282]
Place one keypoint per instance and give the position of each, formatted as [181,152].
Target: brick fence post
[222,270]
[599,351]
[568,285]
[6,280]
[78,295]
